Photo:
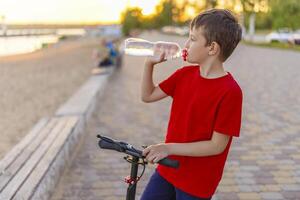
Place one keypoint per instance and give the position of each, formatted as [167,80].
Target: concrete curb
[81,105]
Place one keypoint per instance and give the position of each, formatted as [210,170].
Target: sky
[69,11]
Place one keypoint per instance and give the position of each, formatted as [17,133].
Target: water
[28,40]
[24,44]
[149,52]
[141,47]
[139,52]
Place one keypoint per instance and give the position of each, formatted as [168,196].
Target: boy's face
[197,51]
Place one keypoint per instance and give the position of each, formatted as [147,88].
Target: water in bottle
[141,47]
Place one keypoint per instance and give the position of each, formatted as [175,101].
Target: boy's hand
[155,153]
[157,58]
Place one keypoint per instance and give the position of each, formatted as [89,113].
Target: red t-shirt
[200,106]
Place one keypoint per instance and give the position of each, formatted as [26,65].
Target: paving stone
[296,173]
[228,188]
[249,188]
[227,181]
[291,187]
[249,157]
[282,173]
[263,174]
[267,162]
[245,181]
[284,180]
[249,196]
[290,162]
[271,195]
[291,195]
[248,162]
[297,178]
[287,167]
[265,180]
[270,188]
[243,174]
[249,168]
[226,196]
[228,174]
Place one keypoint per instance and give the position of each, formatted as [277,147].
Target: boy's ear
[214,48]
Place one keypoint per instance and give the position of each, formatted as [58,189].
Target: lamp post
[3,25]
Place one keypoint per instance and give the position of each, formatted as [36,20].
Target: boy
[205,114]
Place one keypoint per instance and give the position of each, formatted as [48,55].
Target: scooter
[135,157]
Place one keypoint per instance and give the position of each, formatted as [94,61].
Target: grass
[276,45]
[263,31]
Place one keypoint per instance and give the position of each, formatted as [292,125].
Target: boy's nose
[186,44]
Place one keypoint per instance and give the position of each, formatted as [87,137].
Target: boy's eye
[192,38]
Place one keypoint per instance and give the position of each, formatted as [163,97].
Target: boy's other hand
[155,153]
[157,58]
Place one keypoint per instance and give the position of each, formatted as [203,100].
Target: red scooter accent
[130,180]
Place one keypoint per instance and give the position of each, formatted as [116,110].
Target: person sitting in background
[106,55]
[109,55]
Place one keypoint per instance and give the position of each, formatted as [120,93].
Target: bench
[30,169]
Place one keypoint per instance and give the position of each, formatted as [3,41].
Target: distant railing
[36,32]
[26,32]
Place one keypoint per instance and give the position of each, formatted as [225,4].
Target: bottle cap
[184,54]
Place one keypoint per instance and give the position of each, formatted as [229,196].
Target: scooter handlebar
[169,162]
[108,143]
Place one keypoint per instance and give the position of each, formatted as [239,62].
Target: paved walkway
[264,163]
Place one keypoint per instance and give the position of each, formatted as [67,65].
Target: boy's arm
[215,146]
[150,92]
[211,147]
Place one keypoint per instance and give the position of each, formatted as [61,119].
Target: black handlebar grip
[108,145]
[169,162]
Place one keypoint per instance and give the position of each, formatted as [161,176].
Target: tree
[250,8]
[210,4]
[179,13]
[131,19]
[201,5]
[165,13]
[285,14]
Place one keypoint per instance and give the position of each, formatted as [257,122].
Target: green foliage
[63,37]
[277,45]
[210,4]
[281,13]
[285,13]
[270,14]
[148,23]
[167,13]
[263,20]
[131,19]
[44,45]
[164,16]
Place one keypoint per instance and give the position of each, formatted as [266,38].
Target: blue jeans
[160,189]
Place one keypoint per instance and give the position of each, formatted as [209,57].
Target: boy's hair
[219,25]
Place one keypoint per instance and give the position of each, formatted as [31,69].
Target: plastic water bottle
[141,47]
